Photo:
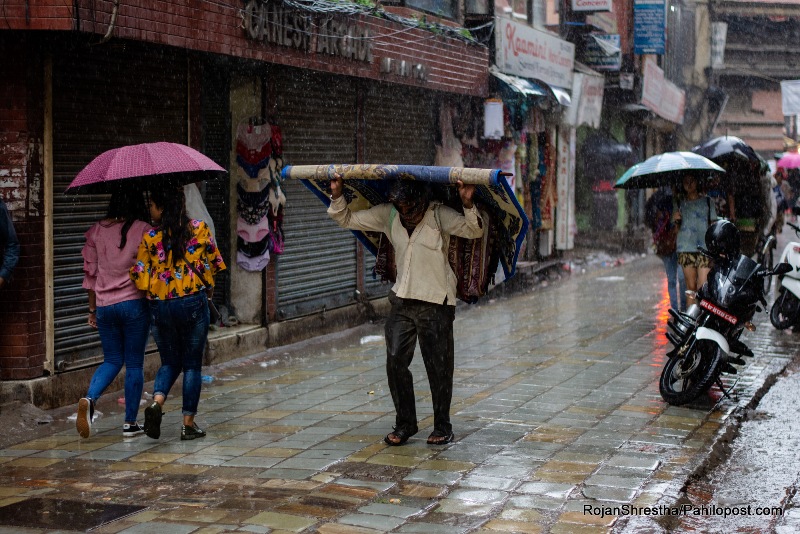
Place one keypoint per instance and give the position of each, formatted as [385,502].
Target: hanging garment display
[259,151]
[549,194]
[534,183]
[253,145]
[448,152]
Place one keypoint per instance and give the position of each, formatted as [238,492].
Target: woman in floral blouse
[178,301]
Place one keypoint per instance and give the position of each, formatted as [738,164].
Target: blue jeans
[676,283]
[124,328]
[180,328]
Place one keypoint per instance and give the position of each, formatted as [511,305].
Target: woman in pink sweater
[117,309]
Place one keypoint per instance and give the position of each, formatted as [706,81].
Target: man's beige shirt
[423,271]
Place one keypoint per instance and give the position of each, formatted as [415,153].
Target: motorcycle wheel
[784,312]
[685,377]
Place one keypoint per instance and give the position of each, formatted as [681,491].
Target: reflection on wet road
[556,411]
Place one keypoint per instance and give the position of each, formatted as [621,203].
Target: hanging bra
[252,233]
[253,250]
[259,263]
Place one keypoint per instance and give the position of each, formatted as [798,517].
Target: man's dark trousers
[433,325]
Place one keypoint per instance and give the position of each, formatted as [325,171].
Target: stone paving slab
[556,411]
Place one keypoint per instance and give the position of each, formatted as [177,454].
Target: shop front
[318,89]
[533,77]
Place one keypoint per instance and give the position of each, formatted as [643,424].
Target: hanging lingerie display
[260,198]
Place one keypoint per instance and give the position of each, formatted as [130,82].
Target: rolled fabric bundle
[439,175]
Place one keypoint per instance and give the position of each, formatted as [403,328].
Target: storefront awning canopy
[562,96]
[520,85]
[533,88]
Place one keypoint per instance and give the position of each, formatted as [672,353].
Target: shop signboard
[660,95]
[591,5]
[565,207]
[530,53]
[587,96]
[602,52]
[649,26]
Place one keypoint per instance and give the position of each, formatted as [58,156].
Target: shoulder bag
[213,313]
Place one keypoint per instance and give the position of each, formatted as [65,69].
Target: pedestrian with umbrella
[694,214]
[176,264]
[117,308]
[658,217]
[693,211]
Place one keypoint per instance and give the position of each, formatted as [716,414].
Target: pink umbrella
[790,160]
[148,164]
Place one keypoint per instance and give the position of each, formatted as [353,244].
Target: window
[442,8]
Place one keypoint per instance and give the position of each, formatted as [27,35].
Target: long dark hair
[129,205]
[174,223]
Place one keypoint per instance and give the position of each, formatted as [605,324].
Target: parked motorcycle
[785,311]
[706,337]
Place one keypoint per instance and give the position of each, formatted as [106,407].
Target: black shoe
[83,422]
[131,430]
[152,420]
[399,436]
[192,432]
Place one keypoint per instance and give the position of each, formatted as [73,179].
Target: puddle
[58,513]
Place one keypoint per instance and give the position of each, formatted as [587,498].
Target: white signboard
[665,98]
[531,53]
[719,33]
[588,91]
[565,211]
[790,97]
[591,5]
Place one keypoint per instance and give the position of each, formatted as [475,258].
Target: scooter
[785,311]
[706,337]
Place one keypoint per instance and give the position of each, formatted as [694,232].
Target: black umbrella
[728,151]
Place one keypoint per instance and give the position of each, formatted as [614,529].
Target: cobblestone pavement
[556,412]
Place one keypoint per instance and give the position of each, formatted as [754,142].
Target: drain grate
[60,514]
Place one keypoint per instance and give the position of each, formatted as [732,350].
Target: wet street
[556,413]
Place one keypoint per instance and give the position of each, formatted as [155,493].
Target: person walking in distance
[176,264]
[658,216]
[422,299]
[117,308]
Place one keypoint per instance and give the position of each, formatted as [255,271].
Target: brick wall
[22,317]
[454,66]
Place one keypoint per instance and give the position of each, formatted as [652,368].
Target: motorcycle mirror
[783,268]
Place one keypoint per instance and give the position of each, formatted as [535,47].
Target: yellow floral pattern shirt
[165,277]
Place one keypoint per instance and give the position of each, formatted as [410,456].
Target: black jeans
[433,325]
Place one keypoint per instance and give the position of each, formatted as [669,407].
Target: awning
[562,96]
[532,88]
[520,85]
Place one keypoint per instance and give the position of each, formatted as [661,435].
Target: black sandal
[401,434]
[439,437]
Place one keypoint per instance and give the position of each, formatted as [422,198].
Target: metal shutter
[399,130]
[103,97]
[216,119]
[317,116]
